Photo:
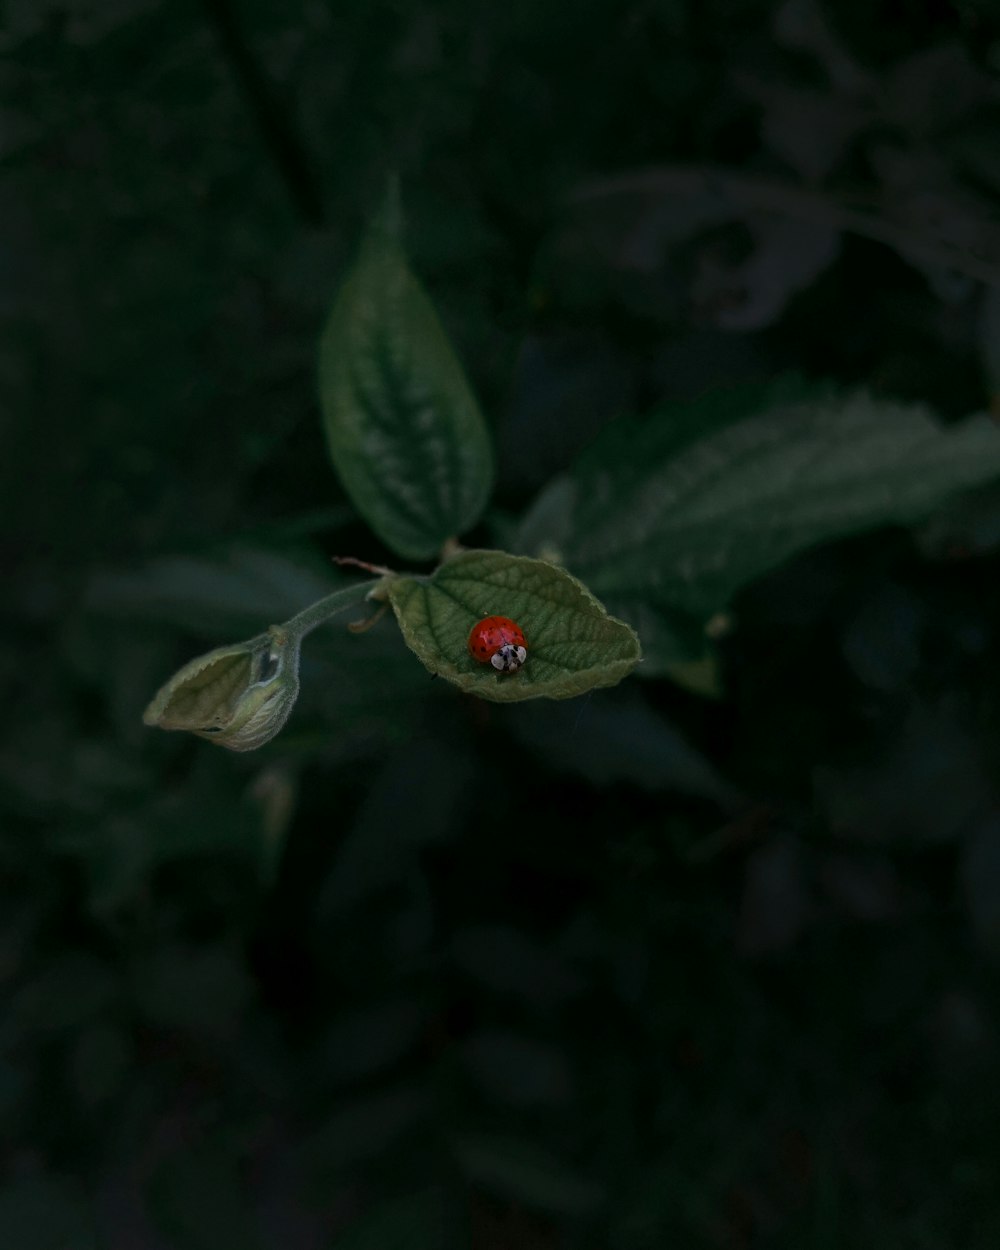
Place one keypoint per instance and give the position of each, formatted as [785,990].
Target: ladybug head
[508,658]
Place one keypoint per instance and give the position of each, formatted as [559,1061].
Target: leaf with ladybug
[459,618]
[403,428]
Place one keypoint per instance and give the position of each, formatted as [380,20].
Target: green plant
[413,451]
[666,517]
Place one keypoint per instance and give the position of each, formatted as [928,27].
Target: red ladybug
[499,641]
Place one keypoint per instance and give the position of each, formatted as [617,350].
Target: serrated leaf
[403,428]
[671,516]
[573,644]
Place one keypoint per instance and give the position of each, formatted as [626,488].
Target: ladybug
[499,641]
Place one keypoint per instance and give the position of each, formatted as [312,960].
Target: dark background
[641,970]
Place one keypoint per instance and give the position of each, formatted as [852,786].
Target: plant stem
[321,611]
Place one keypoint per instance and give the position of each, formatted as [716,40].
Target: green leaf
[667,518]
[415,1222]
[431,781]
[367,1127]
[228,592]
[516,1070]
[367,1040]
[403,428]
[45,1212]
[70,992]
[616,739]
[508,963]
[204,991]
[573,645]
[200,1198]
[512,1168]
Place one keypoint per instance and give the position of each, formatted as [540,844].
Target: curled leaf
[573,644]
[238,696]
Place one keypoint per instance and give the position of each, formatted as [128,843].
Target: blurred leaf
[980,877]
[233,591]
[785,257]
[403,428]
[200,1199]
[275,790]
[508,962]
[776,899]
[930,784]
[617,737]
[862,886]
[359,696]
[69,991]
[677,512]
[365,1128]
[564,389]
[928,92]
[989,337]
[804,26]
[520,1171]
[101,1058]
[366,1041]
[966,526]
[44,1213]
[882,642]
[518,1071]
[210,816]
[573,645]
[46,768]
[810,129]
[675,644]
[14,1088]
[201,990]
[432,783]
[416,1222]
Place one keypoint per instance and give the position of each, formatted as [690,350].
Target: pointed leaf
[403,428]
[573,645]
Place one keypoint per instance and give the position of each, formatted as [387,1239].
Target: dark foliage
[643,969]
